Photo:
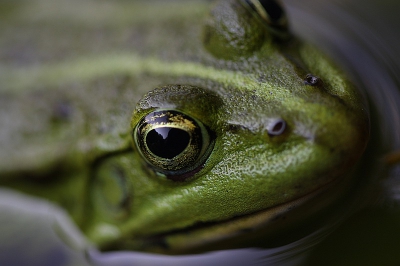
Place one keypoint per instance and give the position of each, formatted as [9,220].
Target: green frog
[174,126]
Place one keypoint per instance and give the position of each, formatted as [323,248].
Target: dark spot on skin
[102,129]
[234,128]
[254,97]
[62,111]
[262,78]
[312,80]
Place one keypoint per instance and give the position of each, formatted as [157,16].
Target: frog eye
[172,143]
[276,127]
[270,11]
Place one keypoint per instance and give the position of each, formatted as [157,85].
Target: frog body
[266,120]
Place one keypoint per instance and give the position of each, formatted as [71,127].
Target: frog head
[266,125]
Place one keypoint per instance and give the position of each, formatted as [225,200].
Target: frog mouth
[225,234]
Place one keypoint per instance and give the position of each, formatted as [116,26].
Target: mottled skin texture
[71,79]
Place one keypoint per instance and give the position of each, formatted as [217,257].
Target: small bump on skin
[235,128]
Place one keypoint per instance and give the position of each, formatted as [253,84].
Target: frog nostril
[312,80]
[276,127]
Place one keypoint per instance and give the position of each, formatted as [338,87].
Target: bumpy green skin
[72,74]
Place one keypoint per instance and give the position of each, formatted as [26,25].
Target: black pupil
[167,142]
[274,10]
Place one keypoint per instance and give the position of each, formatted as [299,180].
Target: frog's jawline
[203,234]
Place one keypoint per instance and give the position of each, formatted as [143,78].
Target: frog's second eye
[269,11]
[173,143]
